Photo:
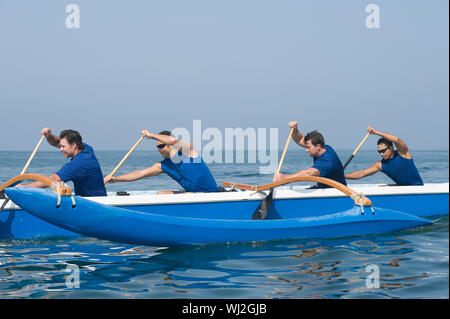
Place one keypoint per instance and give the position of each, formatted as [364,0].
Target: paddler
[397,164]
[326,162]
[180,161]
[83,169]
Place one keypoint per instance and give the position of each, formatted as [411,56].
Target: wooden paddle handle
[361,144]
[32,155]
[356,150]
[285,149]
[24,168]
[126,156]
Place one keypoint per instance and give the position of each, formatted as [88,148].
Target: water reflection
[279,269]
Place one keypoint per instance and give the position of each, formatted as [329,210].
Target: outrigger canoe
[146,218]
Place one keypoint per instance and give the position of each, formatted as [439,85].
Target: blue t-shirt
[329,165]
[401,170]
[191,173]
[85,173]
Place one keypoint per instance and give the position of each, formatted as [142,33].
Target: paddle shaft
[262,210]
[32,155]
[127,155]
[356,150]
[285,149]
[25,167]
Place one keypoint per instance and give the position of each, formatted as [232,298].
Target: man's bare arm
[376,167]
[52,139]
[186,148]
[297,136]
[135,175]
[306,172]
[402,148]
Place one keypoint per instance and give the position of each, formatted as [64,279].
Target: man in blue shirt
[326,161]
[83,169]
[180,161]
[397,164]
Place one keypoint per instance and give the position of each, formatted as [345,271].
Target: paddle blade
[6,201]
[262,210]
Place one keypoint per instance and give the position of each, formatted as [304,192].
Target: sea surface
[410,264]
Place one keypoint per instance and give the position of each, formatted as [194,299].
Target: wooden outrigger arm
[59,187]
[359,199]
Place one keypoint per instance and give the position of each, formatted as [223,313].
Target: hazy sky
[229,63]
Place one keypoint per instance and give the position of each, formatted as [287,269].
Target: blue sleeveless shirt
[329,165]
[191,173]
[401,170]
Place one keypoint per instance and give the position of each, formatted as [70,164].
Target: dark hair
[385,142]
[168,133]
[315,137]
[72,137]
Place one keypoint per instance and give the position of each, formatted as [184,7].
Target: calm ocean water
[412,264]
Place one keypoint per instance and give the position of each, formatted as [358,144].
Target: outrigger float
[145,218]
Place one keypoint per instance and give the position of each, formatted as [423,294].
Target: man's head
[314,143]
[385,148]
[164,149]
[70,143]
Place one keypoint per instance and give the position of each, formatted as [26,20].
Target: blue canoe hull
[222,223]
[18,224]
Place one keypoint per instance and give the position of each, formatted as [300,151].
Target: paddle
[25,167]
[263,209]
[126,156]
[356,150]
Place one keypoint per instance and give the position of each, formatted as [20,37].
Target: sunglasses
[383,150]
[161,145]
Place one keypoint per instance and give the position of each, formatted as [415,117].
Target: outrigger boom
[359,199]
